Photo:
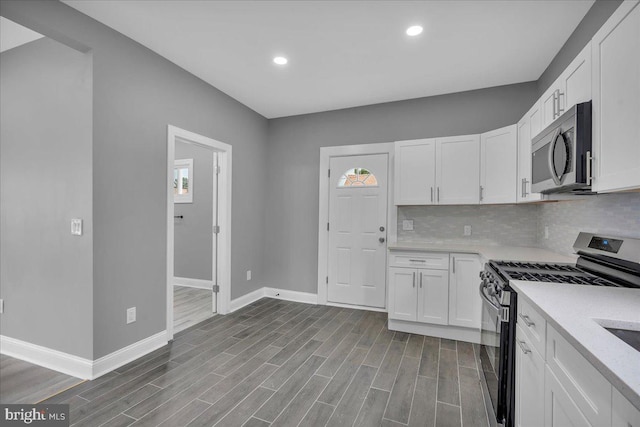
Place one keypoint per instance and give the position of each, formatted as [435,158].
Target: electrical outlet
[248,274]
[467,230]
[407,225]
[131,315]
[546,231]
[1,306]
[76,226]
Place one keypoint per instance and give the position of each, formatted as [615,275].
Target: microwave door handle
[552,149]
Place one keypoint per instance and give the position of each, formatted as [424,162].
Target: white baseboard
[288,295]
[276,293]
[192,283]
[441,331]
[43,356]
[77,366]
[128,354]
[357,307]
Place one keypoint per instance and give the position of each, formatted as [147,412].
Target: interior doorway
[198,228]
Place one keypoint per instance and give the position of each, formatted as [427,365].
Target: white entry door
[358,230]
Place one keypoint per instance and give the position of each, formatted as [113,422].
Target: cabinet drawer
[590,391]
[533,325]
[433,261]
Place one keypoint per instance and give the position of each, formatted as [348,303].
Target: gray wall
[513,225]
[193,238]
[45,164]
[291,246]
[136,94]
[612,214]
[590,24]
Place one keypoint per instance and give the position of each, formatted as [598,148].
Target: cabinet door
[415,175]
[624,413]
[559,409]
[402,293]
[529,383]
[498,165]
[528,127]
[616,100]
[433,296]
[464,298]
[576,79]
[549,104]
[458,170]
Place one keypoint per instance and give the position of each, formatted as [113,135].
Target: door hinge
[215,288]
[327,280]
[327,226]
[216,169]
[216,229]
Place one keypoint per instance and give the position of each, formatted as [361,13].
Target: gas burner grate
[559,278]
[537,266]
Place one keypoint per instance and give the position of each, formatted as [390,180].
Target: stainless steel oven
[496,347]
[561,153]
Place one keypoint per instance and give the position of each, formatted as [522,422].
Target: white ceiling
[346,53]
[13,35]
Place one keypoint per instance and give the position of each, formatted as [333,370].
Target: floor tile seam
[459,386]
[396,378]
[232,388]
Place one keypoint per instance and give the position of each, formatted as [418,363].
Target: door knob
[381,240]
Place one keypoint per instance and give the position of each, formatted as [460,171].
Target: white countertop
[575,311]
[506,253]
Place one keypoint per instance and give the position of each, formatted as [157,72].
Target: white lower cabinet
[529,383]
[464,299]
[624,413]
[560,409]
[435,290]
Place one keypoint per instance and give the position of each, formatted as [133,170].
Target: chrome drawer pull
[525,349]
[418,260]
[527,321]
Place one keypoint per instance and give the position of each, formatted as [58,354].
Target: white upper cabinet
[498,165]
[616,101]
[458,170]
[415,174]
[527,127]
[573,86]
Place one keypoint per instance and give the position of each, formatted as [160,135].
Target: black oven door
[495,361]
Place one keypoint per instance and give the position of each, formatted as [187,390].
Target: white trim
[323,213]
[66,363]
[128,354]
[287,295]
[247,299]
[440,331]
[75,366]
[224,217]
[192,283]
[357,307]
[283,294]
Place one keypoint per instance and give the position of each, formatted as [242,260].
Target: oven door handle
[486,298]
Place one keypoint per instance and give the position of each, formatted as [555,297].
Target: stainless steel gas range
[603,261]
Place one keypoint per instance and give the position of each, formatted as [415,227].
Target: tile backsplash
[514,225]
[612,214]
[523,225]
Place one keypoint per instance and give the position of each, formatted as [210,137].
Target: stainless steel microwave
[561,153]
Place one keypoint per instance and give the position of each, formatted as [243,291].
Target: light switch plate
[131,315]
[467,230]
[1,306]
[76,226]
[407,225]
[248,274]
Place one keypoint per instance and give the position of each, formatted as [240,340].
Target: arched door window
[357,177]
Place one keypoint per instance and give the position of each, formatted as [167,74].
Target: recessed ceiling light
[280,60]
[414,30]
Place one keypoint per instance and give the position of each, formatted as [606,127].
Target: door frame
[326,153]
[223,272]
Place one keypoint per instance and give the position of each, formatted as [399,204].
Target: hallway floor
[190,307]
[282,363]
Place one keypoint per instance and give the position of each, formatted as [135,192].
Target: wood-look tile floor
[190,307]
[282,363]
[24,382]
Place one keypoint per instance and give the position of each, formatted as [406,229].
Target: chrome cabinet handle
[589,174]
[453,265]
[527,320]
[526,181]
[523,346]
[414,279]
[421,279]
[417,260]
[431,194]
[555,98]
[560,109]
[481,188]
[438,191]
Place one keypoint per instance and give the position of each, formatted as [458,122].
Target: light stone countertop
[487,252]
[575,311]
